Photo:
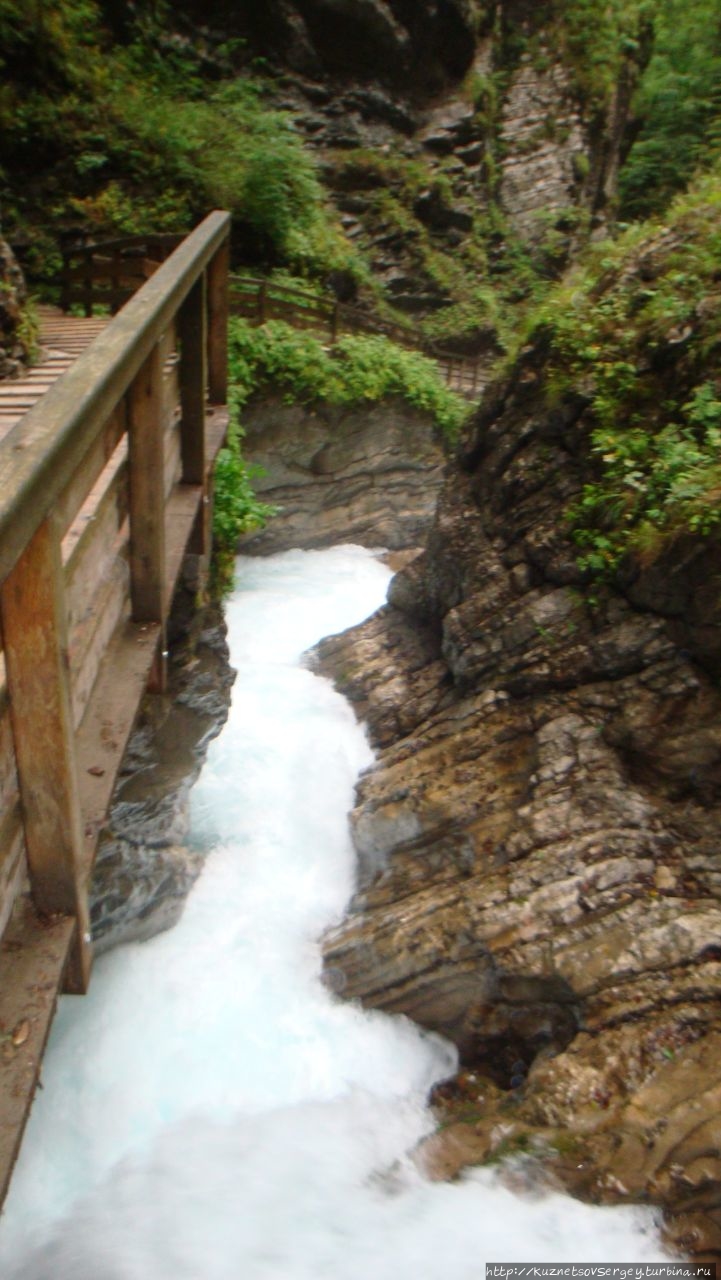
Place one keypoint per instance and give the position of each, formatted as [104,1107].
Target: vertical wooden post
[146,465]
[65,286]
[263,303]
[193,378]
[88,287]
[147,491]
[35,638]
[218,273]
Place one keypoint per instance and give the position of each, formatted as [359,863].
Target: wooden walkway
[106,453]
[108,273]
[62,339]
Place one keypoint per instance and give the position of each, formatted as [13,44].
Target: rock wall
[369,476]
[539,840]
[144,868]
[398,42]
[13,353]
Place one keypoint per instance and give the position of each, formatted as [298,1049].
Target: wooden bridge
[106,452]
[107,274]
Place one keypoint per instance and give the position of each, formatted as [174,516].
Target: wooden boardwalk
[62,339]
[106,453]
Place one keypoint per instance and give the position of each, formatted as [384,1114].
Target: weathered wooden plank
[14,870]
[35,646]
[173,463]
[183,506]
[189,510]
[218,312]
[33,957]
[102,513]
[108,721]
[194,342]
[9,787]
[147,492]
[104,468]
[93,634]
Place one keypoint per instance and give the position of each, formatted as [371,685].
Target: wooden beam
[218,272]
[146,462]
[32,600]
[192,332]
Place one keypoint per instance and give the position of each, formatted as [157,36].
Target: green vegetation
[601,38]
[136,137]
[637,331]
[678,104]
[236,509]
[355,370]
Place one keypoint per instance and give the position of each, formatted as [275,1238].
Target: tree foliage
[678,105]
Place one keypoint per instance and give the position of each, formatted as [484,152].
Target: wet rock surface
[342,475]
[392,41]
[538,841]
[144,868]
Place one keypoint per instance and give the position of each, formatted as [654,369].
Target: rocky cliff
[342,474]
[538,842]
[468,147]
[145,868]
[464,179]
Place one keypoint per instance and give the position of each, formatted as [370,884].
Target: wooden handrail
[39,456]
[105,487]
[98,279]
[260,300]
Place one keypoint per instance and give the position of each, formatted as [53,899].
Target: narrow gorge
[534,187]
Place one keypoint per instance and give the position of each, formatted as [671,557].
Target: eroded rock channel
[538,841]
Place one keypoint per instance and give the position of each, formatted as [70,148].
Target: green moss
[123,138]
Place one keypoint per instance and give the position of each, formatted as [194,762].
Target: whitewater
[210,1111]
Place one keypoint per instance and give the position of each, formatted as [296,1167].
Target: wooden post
[147,491]
[35,637]
[146,464]
[334,318]
[218,273]
[88,287]
[263,303]
[192,334]
[65,287]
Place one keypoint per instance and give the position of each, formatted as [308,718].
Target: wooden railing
[109,272]
[261,300]
[104,485]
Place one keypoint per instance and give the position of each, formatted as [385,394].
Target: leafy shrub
[638,329]
[356,369]
[236,509]
[678,106]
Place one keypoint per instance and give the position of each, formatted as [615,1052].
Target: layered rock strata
[335,474]
[538,842]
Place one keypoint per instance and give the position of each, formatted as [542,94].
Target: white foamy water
[209,1111]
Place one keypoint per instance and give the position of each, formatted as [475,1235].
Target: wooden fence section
[262,300]
[104,485]
[107,273]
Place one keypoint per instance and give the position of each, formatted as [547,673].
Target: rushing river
[209,1110]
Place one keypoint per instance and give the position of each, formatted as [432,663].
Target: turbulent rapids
[210,1111]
